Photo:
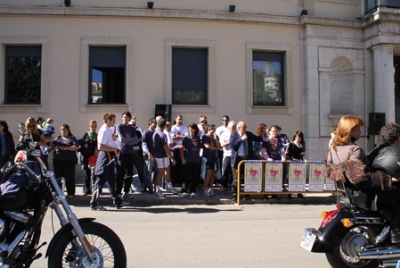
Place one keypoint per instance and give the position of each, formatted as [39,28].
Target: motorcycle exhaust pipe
[390,263]
[380,254]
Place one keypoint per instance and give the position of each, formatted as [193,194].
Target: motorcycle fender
[326,235]
[66,228]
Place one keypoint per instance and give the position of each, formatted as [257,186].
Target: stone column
[384,81]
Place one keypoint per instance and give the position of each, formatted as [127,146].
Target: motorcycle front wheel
[108,249]
[345,251]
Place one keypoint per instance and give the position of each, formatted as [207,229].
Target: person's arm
[182,152]
[168,152]
[235,141]
[103,147]
[283,154]
[224,142]
[42,141]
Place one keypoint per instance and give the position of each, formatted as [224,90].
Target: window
[268,82]
[189,75]
[106,75]
[23,75]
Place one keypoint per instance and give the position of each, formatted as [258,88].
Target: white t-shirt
[225,137]
[105,137]
[219,131]
[179,130]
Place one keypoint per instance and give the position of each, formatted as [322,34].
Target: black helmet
[388,160]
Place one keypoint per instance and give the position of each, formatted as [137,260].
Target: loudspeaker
[376,122]
[164,110]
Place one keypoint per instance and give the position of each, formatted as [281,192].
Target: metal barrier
[260,177]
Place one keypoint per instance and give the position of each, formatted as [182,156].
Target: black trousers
[192,173]
[177,173]
[66,169]
[390,201]
[226,171]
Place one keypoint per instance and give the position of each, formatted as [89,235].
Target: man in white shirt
[221,129]
[227,152]
[108,145]
[178,132]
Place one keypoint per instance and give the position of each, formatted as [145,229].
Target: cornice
[174,14]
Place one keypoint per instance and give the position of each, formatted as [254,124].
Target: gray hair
[231,124]
[390,132]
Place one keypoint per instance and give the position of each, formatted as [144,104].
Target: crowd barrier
[260,177]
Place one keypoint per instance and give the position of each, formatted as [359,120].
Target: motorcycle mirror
[6,166]
[21,128]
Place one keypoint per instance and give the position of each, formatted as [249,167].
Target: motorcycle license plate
[308,241]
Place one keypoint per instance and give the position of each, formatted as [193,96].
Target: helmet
[388,160]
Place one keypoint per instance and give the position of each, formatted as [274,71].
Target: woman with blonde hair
[37,134]
[343,148]
[362,194]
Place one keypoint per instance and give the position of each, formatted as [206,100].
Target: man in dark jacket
[241,142]
[389,200]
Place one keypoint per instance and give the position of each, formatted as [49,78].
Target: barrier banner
[330,185]
[273,177]
[317,178]
[253,177]
[297,176]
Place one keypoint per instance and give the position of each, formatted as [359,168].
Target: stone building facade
[337,57]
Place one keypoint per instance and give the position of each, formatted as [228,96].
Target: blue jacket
[235,142]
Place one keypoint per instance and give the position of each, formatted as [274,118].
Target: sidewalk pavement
[225,197]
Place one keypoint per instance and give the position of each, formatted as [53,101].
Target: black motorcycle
[351,236]
[26,195]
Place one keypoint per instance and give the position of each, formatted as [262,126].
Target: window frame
[90,86]
[34,51]
[287,79]
[43,106]
[210,45]
[203,57]
[86,43]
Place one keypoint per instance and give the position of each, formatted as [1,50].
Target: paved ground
[221,197]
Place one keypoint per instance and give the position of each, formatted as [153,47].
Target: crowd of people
[165,155]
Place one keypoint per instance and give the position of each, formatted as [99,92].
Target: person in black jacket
[241,142]
[390,135]
[7,146]
[88,148]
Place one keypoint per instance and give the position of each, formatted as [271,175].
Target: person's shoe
[87,193]
[185,194]
[158,194]
[151,191]
[126,196]
[395,236]
[206,193]
[98,208]
[211,192]
[193,195]
[171,190]
[300,195]
[70,197]
[121,205]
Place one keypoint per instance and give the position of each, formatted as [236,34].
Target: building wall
[329,59]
